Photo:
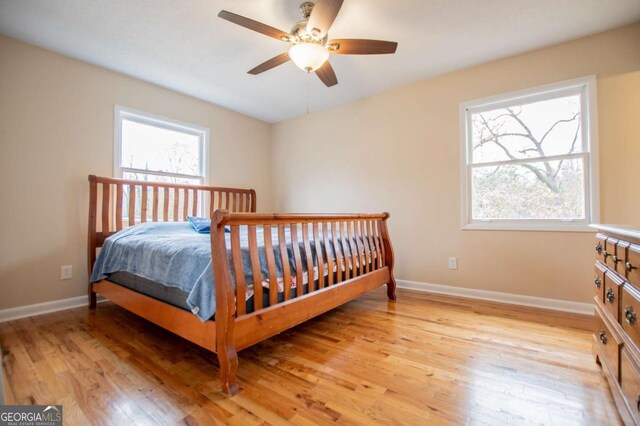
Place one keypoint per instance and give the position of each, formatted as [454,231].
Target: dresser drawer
[601,242]
[630,307]
[619,259]
[612,286]
[609,253]
[630,383]
[598,281]
[608,345]
[632,264]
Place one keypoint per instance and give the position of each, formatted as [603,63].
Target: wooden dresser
[616,333]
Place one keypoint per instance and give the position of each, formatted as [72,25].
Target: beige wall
[56,127]
[399,152]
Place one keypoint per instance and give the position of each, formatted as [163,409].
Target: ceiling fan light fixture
[308,56]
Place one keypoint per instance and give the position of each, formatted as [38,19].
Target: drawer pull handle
[599,248]
[638,403]
[616,259]
[629,315]
[630,267]
[597,282]
[605,254]
[603,337]
[610,295]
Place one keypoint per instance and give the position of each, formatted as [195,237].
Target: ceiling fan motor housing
[300,34]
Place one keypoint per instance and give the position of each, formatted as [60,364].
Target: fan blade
[355,46]
[255,25]
[327,75]
[271,63]
[323,14]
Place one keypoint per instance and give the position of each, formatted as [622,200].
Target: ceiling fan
[311,44]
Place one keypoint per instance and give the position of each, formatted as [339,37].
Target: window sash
[586,198]
[580,89]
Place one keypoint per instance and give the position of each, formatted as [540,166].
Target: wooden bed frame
[369,264]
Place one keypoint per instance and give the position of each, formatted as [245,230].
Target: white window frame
[121,112]
[586,87]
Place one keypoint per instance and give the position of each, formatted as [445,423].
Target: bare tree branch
[576,115]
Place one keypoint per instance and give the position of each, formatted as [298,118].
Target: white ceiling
[183,45]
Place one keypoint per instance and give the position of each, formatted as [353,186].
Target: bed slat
[346,251]
[326,242]
[194,211]
[296,255]
[144,204]
[185,205]
[176,203]
[132,205]
[118,207]
[155,204]
[271,265]
[336,251]
[106,200]
[365,245]
[165,204]
[360,243]
[374,248]
[255,267]
[284,257]
[383,254]
[309,257]
[238,270]
[319,256]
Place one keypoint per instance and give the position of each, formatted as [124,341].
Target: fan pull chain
[308,95]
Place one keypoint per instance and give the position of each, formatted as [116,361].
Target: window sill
[546,227]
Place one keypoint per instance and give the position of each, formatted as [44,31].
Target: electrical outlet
[66,272]
[453,263]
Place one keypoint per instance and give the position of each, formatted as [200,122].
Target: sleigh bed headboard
[115,204]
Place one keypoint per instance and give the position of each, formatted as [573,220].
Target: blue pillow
[203,225]
[200,224]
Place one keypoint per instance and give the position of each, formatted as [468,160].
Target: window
[157,149]
[529,159]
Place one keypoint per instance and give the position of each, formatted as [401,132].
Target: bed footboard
[303,264]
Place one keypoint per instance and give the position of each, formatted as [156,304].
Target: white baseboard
[495,296]
[44,308]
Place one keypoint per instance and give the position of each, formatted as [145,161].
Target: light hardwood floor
[423,360]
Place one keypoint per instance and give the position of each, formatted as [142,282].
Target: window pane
[534,190]
[529,130]
[154,148]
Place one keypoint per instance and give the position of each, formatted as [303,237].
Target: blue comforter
[173,254]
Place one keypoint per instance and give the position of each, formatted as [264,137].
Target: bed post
[225,305]
[91,246]
[391,285]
